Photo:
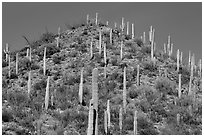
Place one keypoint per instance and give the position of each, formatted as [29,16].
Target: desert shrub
[40,85]
[114,61]
[164,85]
[150,66]
[47,37]
[7,116]
[4,63]
[25,64]
[82,48]
[73,54]
[185,75]
[145,127]
[139,42]
[146,49]
[13,76]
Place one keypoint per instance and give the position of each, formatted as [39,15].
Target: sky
[181,20]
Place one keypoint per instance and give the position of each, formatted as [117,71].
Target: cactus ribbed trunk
[171,52]
[133,34]
[47,94]
[127,28]
[30,56]
[90,119]
[81,87]
[164,48]
[29,83]
[181,58]
[121,119]
[16,63]
[191,75]
[111,36]
[44,62]
[27,55]
[91,49]
[123,25]
[144,37]
[100,40]
[138,75]
[121,50]
[95,98]
[87,19]
[189,60]
[135,122]
[9,65]
[178,58]
[179,87]
[105,122]
[108,114]
[96,19]
[124,90]
[150,34]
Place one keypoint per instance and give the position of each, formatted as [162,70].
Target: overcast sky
[183,21]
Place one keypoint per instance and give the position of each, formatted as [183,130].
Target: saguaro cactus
[27,55]
[138,75]
[81,86]
[47,94]
[16,63]
[124,90]
[44,63]
[115,25]
[133,34]
[179,87]
[121,50]
[111,40]
[105,122]
[95,98]
[152,45]
[91,48]
[135,122]
[121,119]
[165,48]
[9,65]
[91,119]
[105,60]
[29,83]
[57,38]
[178,58]
[123,25]
[106,23]
[178,118]
[191,75]
[96,19]
[100,42]
[6,51]
[127,28]
[87,19]
[181,58]
[30,56]
[150,34]
[189,59]
[108,114]
[144,37]
[171,52]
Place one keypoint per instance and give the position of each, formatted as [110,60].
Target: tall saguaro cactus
[108,114]
[171,52]
[127,28]
[100,42]
[124,90]
[95,98]
[150,34]
[111,40]
[121,119]
[181,58]
[96,21]
[178,58]
[179,87]
[81,87]
[123,25]
[16,63]
[138,75]
[6,51]
[189,59]
[165,48]
[47,94]
[135,122]
[191,75]
[9,65]
[121,50]
[144,37]
[30,56]
[133,34]
[90,119]
[44,62]
[105,122]
[152,45]
[29,83]
[105,60]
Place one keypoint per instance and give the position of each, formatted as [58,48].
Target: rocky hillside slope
[155,96]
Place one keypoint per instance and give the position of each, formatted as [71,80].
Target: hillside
[153,92]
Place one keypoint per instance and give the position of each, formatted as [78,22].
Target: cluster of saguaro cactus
[93,108]
[47,94]
[44,62]
[7,52]
[81,87]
